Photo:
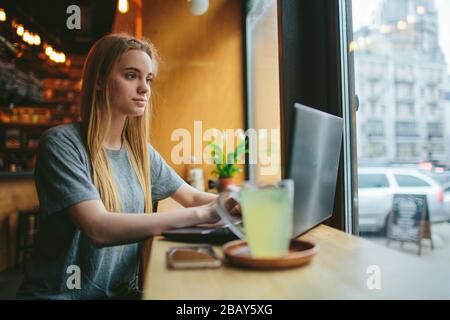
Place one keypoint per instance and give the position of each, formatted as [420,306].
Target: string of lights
[32,38]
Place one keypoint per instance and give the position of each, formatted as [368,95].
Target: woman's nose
[143,90]
[143,87]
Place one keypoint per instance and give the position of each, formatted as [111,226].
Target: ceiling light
[2,15]
[198,7]
[123,6]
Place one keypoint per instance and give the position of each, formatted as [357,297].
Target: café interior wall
[128,22]
[201,78]
[201,75]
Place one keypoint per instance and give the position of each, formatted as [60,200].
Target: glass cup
[267,213]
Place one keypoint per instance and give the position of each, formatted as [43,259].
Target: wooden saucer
[300,253]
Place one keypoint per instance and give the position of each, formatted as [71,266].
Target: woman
[96,178]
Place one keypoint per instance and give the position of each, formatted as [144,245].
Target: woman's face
[131,83]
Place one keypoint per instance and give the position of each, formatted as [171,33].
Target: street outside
[441,238]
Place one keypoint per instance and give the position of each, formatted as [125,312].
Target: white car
[377,186]
[447,197]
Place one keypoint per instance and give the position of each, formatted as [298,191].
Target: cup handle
[225,215]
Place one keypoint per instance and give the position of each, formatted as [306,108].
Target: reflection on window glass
[410,181]
[263,91]
[401,51]
[373,181]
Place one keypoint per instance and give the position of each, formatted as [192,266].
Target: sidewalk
[441,238]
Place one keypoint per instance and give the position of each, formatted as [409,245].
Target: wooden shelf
[60,101]
[38,108]
[30,125]
[14,175]
[21,149]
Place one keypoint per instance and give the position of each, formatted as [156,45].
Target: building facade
[401,77]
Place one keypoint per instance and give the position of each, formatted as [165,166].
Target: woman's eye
[149,80]
[130,76]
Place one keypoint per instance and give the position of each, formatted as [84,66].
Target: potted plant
[226,164]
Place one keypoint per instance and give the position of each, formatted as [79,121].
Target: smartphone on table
[192,257]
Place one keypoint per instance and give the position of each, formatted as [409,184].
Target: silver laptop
[313,165]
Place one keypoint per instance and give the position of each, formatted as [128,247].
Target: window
[375,149]
[436,148]
[443,179]
[416,114]
[404,91]
[407,82]
[435,130]
[313,71]
[372,181]
[406,129]
[405,111]
[410,181]
[375,128]
[406,150]
[263,98]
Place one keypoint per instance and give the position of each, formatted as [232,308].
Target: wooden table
[340,270]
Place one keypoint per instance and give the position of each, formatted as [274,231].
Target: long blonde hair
[96,118]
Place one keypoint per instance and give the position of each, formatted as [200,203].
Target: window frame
[317,70]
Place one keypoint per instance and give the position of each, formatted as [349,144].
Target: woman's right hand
[208,213]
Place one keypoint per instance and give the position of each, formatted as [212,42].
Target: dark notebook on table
[200,234]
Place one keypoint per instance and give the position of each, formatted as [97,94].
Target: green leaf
[216,151]
[216,160]
[230,158]
[240,149]
[225,164]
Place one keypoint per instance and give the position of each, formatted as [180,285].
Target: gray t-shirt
[63,178]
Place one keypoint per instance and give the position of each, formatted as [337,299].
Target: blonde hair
[96,118]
